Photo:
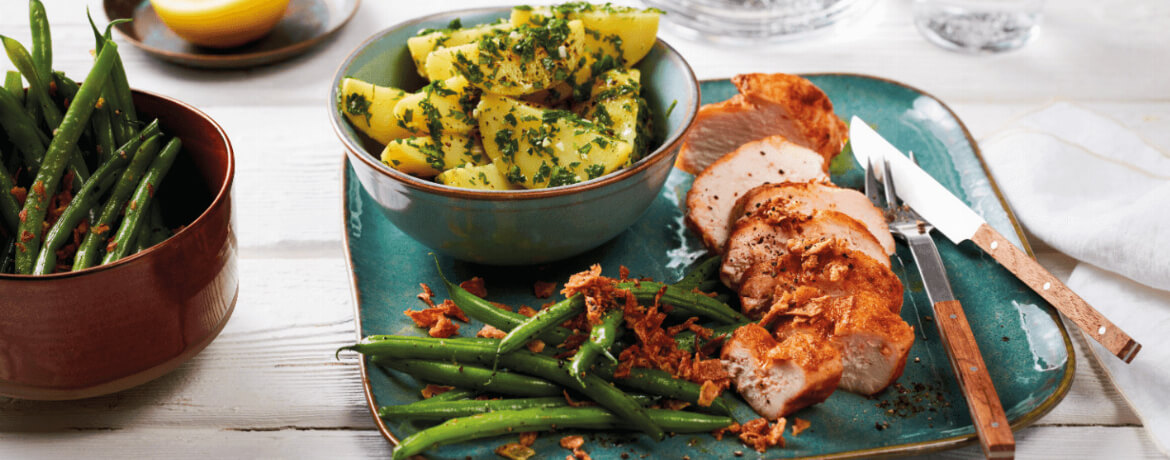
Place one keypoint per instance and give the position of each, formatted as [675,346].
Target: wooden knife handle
[1088,319]
[991,424]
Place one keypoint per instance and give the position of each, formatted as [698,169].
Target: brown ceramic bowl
[108,328]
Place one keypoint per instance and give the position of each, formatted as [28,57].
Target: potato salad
[548,97]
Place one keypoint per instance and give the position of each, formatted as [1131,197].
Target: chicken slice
[778,378]
[763,237]
[873,341]
[808,197]
[768,104]
[716,190]
[829,265]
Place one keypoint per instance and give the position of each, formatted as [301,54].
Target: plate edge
[355,295]
[235,61]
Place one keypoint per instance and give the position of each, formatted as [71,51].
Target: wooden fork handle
[1088,319]
[991,424]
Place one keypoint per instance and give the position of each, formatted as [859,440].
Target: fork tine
[888,185]
[871,184]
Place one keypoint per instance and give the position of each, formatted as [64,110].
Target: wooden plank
[195,444]
[1060,443]
[1055,443]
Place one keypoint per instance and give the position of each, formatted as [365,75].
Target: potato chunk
[442,107]
[539,148]
[616,106]
[484,177]
[420,156]
[522,61]
[614,36]
[424,44]
[371,109]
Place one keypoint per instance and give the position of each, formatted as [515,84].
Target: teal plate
[1024,343]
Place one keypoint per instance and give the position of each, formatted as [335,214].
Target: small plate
[1026,347]
[306,24]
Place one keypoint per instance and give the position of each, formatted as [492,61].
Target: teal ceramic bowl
[513,227]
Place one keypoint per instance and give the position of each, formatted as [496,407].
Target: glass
[757,20]
[978,26]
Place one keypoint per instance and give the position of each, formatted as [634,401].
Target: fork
[991,425]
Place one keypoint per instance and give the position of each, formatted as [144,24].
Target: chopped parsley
[562,176]
[507,144]
[515,176]
[594,171]
[357,105]
[454,25]
[671,108]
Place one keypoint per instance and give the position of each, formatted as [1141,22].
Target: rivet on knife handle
[1088,319]
[991,424]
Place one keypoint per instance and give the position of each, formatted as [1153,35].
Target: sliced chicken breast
[874,342]
[768,104]
[715,191]
[777,378]
[808,197]
[763,237]
[828,265]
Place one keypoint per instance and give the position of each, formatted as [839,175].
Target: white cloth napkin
[1098,192]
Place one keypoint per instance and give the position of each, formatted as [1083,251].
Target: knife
[958,222]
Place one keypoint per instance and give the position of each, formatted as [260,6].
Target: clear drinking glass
[754,21]
[978,26]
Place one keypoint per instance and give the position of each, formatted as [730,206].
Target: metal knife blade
[958,222]
[916,187]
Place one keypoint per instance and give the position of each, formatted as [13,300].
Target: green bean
[686,339]
[444,410]
[474,377]
[42,42]
[647,380]
[702,272]
[15,85]
[142,239]
[483,352]
[102,128]
[685,299]
[56,158]
[140,202]
[43,105]
[158,226]
[68,88]
[660,383]
[9,208]
[38,84]
[117,92]
[454,394]
[709,285]
[545,419]
[601,338]
[89,252]
[78,209]
[22,131]
[543,320]
[494,316]
[7,251]
[426,410]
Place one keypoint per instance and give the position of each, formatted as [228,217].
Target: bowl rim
[357,151]
[220,196]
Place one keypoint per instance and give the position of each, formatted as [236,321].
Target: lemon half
[220,23]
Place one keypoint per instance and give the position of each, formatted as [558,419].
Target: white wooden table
[269,386]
